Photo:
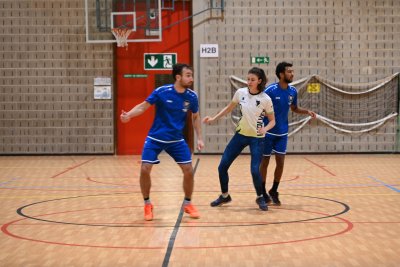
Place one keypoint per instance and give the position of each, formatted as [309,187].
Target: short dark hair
[177,69]
[261,75]
[281,67]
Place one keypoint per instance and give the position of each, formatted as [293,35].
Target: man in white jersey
[250,131]
[283,96]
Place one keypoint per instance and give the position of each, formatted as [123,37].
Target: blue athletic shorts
[275,143]
[179,151]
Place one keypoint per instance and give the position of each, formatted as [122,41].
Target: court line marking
[5,230]
[320,166]
[174,233]
[105,223]
[385,184]
[173,193]
[72,167]
[21,212]
[9,181]
[63,186]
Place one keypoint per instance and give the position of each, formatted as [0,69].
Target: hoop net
[121,35]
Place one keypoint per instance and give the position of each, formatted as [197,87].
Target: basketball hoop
[121,34]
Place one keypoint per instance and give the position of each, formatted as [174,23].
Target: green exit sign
[129,75]
[154,61]
[260,60]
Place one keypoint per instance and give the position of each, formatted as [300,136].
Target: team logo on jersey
[260,123]
[186,105]
[258,102]
[290,99]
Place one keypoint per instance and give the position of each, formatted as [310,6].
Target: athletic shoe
[267,199]
[148,212]
[261,203]
[275,197]
[192,211]
[221,201]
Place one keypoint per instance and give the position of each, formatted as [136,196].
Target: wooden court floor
[338,210]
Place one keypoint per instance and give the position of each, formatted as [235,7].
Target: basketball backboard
[143,17]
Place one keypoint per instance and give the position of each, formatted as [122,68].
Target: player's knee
[188,172]
[145,168]
[187,169]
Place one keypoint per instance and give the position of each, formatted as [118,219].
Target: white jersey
[253,109]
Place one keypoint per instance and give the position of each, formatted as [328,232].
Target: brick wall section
[46,81]
[343,41]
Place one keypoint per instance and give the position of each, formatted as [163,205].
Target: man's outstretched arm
[135,111]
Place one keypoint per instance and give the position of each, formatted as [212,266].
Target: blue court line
[9,181]
[385,184]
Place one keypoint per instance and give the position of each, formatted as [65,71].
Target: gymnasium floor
[338,210]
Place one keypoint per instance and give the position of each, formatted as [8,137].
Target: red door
[133,88]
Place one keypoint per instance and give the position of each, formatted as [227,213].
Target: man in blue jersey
[283,96]
[172,101]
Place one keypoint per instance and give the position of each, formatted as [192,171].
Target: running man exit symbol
[259,60]
[154,61]
[168,61]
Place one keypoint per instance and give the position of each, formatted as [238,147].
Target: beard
[288,80]
[187,84]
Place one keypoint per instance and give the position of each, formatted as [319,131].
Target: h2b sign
[209,50]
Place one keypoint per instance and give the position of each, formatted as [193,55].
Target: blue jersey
[171,111]
[282,99]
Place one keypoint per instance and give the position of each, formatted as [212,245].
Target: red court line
[347,229]
[289,180]
[98,182]
[73,167]
[320,166]
[187,222]
[5,230]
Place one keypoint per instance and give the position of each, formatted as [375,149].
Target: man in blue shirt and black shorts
[283,96]
[172,102]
